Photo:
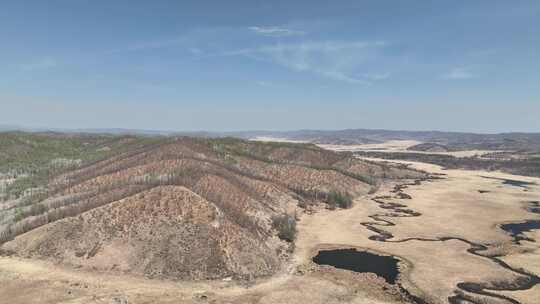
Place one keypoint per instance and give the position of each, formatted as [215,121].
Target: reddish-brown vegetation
[187,208]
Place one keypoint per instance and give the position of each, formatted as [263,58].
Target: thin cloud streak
[275,31]
[269,84]
[150,45]
[335,60]
[459,73]
[344,61]
[375,77]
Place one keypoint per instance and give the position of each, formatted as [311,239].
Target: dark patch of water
[516,183]
[516,229]
[534,207]
[360,261]
[512,182]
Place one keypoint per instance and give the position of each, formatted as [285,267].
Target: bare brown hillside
[188,208]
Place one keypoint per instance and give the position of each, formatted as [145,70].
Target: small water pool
[360,261]
[512,182]
[534,207]
[516,229]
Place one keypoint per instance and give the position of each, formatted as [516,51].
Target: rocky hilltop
[185,208]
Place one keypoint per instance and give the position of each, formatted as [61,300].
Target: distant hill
[429,147]
[452,140]
[178,207]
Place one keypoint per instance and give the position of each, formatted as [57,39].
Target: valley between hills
[130,219]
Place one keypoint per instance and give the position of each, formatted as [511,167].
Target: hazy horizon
[112,130]
[458,66]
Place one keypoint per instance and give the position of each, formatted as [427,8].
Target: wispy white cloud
[149,45]
[458,74]
[195,51]
[191,40]
[336,60]
[42,64]
[346,61]
[269,84]
[275,31]
[374,77]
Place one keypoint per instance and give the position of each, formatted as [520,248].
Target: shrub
[374,189]
[339,199]
[36,209]
[286,227]
[19,215]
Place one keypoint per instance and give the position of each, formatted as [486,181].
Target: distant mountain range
[361,136]
[459,140]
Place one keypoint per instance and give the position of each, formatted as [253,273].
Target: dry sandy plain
[450,216]
[401,146]
[387,146]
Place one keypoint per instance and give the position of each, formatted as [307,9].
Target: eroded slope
[187,208]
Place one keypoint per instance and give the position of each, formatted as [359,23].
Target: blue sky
[276,65]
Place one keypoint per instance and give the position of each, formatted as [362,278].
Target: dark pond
[516,183]
[512,182]
[534,207]
[516,229]
[360,261]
